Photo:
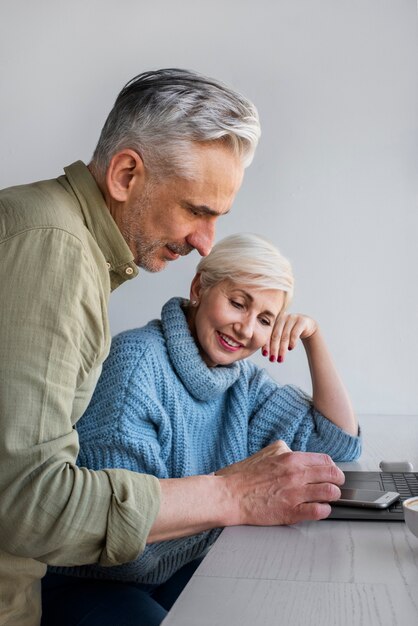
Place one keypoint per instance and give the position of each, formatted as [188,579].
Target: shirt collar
[101,224]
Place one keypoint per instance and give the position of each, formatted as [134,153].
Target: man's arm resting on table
[272,487]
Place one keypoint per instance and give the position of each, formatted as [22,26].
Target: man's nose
[202,238]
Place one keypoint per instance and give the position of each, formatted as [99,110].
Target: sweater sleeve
[286,412]
[125,425]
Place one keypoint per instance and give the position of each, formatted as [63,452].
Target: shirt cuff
[134,507]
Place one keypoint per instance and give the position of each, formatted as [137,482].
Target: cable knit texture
[158,409]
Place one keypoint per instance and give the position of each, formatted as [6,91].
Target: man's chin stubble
[151,266]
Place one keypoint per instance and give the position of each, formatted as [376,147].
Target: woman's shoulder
[129,368]
[138,340]
[134,348]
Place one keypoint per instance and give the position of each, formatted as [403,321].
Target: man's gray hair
[159,113]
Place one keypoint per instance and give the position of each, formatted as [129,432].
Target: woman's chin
[213,360]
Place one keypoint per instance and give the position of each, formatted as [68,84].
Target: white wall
[334,182]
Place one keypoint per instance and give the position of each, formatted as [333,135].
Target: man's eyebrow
[251,298]
[202,209]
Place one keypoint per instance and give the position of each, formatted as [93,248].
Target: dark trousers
[73,601]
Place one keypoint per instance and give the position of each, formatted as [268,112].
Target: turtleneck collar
[203,382]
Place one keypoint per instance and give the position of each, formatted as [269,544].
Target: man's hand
[274,486]
[277,486]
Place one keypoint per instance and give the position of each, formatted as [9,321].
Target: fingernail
[280,359]
[264,353]
[290,347]
[272,358]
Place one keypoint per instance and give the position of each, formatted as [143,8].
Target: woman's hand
[274,449]
[329,395]
[288,329]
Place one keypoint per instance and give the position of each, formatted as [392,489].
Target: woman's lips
[225,344]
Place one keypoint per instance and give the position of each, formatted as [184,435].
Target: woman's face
[232,321]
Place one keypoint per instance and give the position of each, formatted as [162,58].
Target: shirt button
[129,271]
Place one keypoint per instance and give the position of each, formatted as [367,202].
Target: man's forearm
[271,487]
[191,505]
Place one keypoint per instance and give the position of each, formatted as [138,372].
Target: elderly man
[169,162]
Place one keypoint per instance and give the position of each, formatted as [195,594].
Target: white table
[328,573]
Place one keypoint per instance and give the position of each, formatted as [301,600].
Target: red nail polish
[272,358]
[290,347]
[280,359]
[264,353]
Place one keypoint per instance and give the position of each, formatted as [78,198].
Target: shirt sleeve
[287,413]
[127,425]
[51,340]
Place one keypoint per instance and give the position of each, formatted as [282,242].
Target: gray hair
[249,259]
[159,113]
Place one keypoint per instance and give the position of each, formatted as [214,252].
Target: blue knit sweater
[159,409]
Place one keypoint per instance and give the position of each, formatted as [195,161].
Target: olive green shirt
[61,253]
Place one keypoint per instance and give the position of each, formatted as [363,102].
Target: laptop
[405,483]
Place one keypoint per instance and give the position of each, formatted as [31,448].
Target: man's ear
[195,289]
[125,169]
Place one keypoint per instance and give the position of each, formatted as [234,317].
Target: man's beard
[146,252]
[146,249]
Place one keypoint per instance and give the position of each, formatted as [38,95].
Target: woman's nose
[245,327]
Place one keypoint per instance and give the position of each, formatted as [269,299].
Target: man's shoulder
[42,204]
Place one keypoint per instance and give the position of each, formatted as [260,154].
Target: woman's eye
[265,321]
[236,304]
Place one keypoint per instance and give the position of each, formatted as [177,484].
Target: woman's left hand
[288,329]
[273,449]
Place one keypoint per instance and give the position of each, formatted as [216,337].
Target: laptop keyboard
[406,484]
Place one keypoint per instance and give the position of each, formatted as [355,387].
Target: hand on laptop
[278,486]
[274,486]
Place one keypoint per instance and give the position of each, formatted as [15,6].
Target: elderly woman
[177,397]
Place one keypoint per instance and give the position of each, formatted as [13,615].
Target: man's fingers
[321,492]
[311,511]
[300,485]
[324,474]
[314,458]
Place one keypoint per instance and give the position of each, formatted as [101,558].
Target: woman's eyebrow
[251,299]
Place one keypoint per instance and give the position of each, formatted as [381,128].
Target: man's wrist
[193,504]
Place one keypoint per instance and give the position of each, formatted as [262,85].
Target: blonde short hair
[249,259]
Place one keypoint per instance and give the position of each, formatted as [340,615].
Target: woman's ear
[195,290]
[125,170]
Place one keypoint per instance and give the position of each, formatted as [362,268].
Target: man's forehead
[214,154]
